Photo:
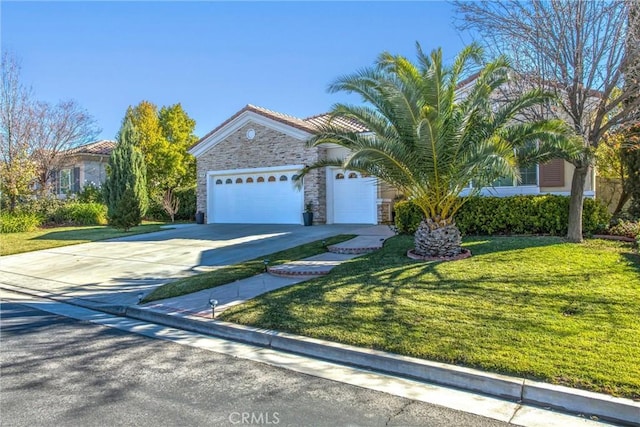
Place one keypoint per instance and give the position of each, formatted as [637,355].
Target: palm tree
[430,142]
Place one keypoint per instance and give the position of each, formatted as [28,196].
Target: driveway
[116,271]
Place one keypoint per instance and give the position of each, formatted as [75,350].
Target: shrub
[19,222]
[547,214]
[408,216]
[624,228]
[186,212]
[91,193]
[45,207]
[77,213]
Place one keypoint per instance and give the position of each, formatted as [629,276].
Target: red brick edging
[618,238]
[353,251]
[276,272]
[466,253]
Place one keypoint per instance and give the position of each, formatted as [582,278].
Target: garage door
[354,198]
[255,198]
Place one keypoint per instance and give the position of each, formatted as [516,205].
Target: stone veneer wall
[267,149]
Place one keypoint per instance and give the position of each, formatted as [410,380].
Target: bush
[77,213]
[624,228]
[91,193]
[547,214]
[19,222]
[408,216]
[45,207]
[186,211]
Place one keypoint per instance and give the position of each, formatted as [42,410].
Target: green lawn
[46,238]
[532,307]
[242,270]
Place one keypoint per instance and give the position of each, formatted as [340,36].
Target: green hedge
[77,213]
[547,214]
[19,222]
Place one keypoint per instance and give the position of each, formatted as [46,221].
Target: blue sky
[213,57]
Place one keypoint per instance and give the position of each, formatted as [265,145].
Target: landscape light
[213,303]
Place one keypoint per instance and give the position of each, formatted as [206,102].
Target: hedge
[547,214]
[19,222]
[77,213]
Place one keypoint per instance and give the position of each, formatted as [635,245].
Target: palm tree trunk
[435,240]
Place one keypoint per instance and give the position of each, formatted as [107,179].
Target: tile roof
[310,124]
[102,148]
[343,122]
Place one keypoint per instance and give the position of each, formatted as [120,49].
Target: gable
[239,121]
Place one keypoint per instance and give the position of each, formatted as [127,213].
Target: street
[64,372]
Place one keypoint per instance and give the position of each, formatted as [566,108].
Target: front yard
[47,238]
[532,307]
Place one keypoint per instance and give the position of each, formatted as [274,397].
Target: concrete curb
[620,410]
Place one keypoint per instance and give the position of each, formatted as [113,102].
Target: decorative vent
[552,173]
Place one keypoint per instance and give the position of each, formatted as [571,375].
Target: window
[66,181]
[353,175]
[238,180]
[503,182]
[260,179]
[528,176]
[218,181]
[249,180]
[228,181]
[272,178]
[294,177]
[283,178]
[340,176]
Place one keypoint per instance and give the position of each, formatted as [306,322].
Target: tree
[431,143]
[59,128]
[178,128]
[35,135]
[631,162]
[610,165]
[164,137]
[581,51]
[17,121]
[125,188]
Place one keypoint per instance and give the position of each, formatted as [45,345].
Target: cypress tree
[126,187]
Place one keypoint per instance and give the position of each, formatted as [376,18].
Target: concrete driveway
[116,271]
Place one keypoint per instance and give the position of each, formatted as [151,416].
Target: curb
[620,410]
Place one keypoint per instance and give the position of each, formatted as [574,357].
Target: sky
[212,57]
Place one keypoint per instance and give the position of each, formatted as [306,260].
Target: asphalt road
[56,371]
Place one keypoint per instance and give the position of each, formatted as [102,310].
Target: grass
[47,238]
[533,307]
[239,271]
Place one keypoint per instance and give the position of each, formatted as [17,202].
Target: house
[82,165]
[246,167]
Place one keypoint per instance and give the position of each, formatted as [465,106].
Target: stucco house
[246,166]
[82,165]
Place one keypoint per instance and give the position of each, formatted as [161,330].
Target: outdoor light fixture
[213,303]
[140,296]
[266,265]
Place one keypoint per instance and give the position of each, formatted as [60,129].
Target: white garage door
[267,197]
[354,198]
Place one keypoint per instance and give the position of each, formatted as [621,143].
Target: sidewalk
[197,304]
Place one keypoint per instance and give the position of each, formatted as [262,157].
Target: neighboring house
[82,165]
[245,169]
